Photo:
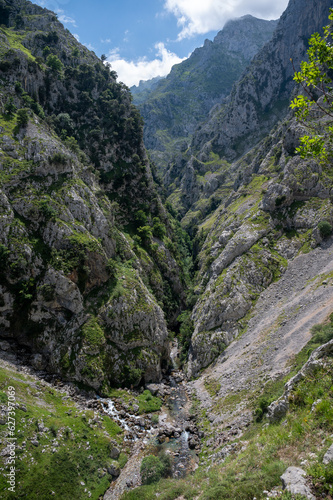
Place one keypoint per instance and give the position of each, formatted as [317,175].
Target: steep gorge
[95,271]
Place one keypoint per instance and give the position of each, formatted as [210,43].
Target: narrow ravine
[175,434]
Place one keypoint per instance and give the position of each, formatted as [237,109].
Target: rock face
[199,176]
[175,105]
[73,282]
[262,96]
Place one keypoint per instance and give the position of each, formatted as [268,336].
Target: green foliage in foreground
[315,79]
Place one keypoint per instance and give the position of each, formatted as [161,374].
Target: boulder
[328,457]
[113,469]
[277,410]
[294,481]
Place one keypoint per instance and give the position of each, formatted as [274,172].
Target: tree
[10,107]
[54,63]
[315,107]
[22,117]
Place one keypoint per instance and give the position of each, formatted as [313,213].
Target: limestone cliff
[83,274]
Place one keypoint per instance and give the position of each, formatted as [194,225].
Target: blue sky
[143,39]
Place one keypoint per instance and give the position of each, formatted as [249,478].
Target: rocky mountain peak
[246,35]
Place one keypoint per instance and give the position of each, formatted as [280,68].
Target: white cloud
[131,72]
[65,19]
[75,35]
[199,17]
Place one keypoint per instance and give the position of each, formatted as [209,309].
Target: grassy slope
[74,450]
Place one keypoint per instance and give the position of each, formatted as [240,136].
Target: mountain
[175,105]
[84,277]
[262,96]
[198,179]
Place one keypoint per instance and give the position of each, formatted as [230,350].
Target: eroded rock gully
[278,329]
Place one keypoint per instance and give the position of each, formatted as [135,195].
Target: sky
[143,39]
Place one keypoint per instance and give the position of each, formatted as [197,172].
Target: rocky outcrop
[278,409]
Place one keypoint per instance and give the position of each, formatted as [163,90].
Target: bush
[54,63]
[325,228]
[22,117]
[154,468]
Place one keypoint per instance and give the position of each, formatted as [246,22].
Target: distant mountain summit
[262,96]
[173,107]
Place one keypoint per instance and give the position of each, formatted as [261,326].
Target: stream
[175,434]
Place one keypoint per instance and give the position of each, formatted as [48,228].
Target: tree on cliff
[315,107]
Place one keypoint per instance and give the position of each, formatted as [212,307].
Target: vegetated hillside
[201,178]
[175,105]
[90,273]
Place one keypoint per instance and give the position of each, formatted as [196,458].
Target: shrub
[325,228]
[154,468]
[22,117]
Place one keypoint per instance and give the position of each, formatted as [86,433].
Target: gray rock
[38,362]
[113,469]
[294,481]
[114,453]
[328,457]
[277,410]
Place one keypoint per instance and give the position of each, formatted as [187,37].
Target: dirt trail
[130,475]
[279,328]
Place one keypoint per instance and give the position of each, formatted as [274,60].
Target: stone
[4,345]
[328,457]
[114,453]
[294,481]
[277,410]
[113,469]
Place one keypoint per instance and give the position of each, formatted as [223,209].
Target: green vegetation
[148,403]
[325,228]
[73,446]
[315,78]
[92,333]
[154,468]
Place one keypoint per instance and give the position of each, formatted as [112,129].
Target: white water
[111,410]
